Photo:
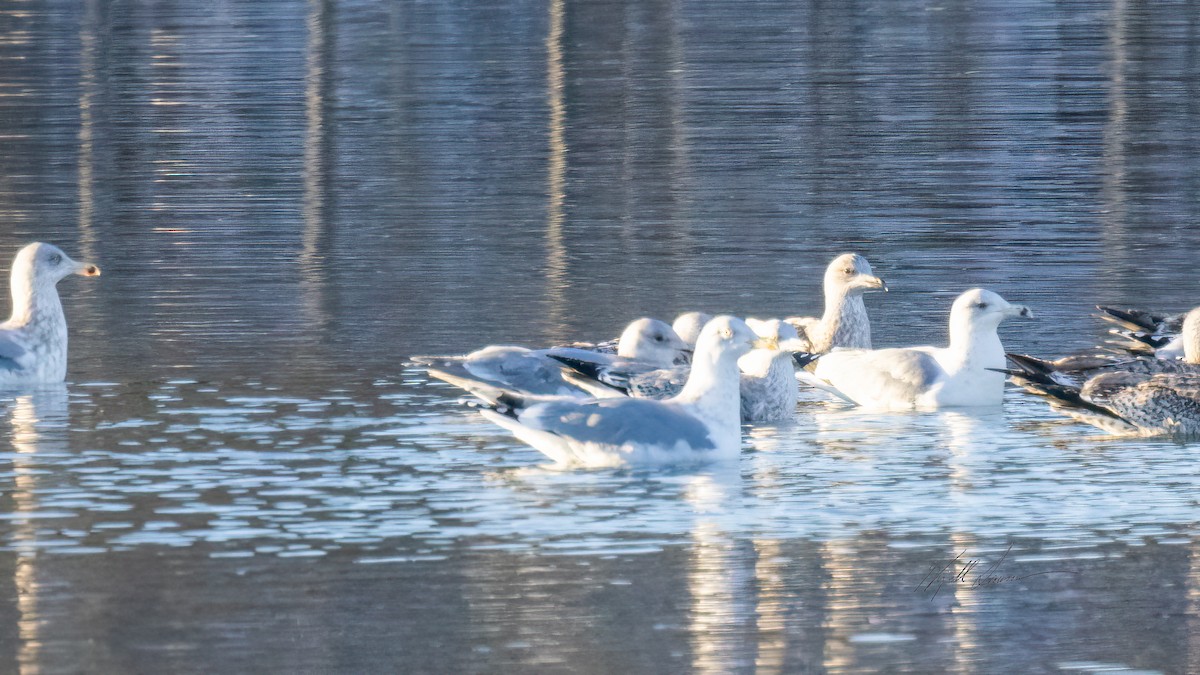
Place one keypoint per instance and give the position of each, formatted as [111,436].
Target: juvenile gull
[1144,333]
[927,377]
[768,384]
[701,422]
[33,342]
[531,372]
[1138,397]
[845,322]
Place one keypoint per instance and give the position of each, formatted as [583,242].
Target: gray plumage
[768,385]
[33,341]
[645,342]
[1142,333]
[699,423]
[844,323]
[1144,397]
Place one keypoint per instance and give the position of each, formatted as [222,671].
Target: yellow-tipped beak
[765,343]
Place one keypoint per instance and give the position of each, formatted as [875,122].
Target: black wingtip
[802,359]
[588,368]
[1030,364]
[1132,319]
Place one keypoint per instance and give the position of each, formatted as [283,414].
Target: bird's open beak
[870,283]
[1019,310]
[87,270]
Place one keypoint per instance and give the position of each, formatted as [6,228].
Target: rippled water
[288,199]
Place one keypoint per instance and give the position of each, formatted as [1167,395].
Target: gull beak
[765,343]
[794,345]
[1019,310]
[87,270]
[870,283]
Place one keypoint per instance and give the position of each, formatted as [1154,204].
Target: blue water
[291,198]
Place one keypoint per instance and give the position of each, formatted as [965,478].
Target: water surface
[290,198]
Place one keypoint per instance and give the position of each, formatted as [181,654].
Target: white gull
[927,377]
[701,422]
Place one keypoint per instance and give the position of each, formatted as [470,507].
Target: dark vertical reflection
[316,239]
[1115,214]
[556,266]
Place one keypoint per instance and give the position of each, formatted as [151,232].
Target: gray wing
[660,383]
[516,368]
[10,351]
[619,421]
[635,378]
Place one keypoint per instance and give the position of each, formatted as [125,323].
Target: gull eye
[658,338]
[848,271]
[982,305]
[55,258]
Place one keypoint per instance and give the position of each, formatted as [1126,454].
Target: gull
[927,377]
[845,322]
[33,342]
[768,379]
[701,422]
[531,372]
[689,324]
[1137,397]
[1142,333]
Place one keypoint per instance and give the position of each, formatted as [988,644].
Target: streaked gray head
[40,263]
[689,325]
[851,273]
[1191,336]
[651,340]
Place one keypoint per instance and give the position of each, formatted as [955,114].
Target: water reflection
[292,196]
[38,422]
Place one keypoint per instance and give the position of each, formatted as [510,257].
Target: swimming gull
[531,372]
[927,377]
[844,323]
[1138,397]
[33,342]
[701,422]
[1141,333]
[768,384]
[689,324]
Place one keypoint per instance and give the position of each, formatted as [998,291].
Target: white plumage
[927,377]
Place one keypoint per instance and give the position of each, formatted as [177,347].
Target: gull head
[651,340]
[776,335]
[1191,336]
[852,274]
[982,308]
[728,336]
[40,264]
[689,324]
